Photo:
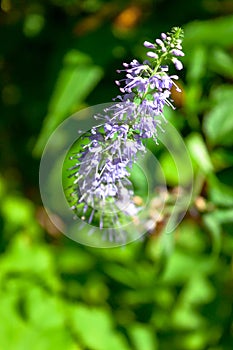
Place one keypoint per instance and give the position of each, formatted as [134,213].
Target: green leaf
[169,169]
[196,340]
[137,100]
[219,193]
[221,62]
[224,215]
[197,291]
[42,326]
[199,153]
[214,227]
[18,211]
[73,260]
[193,263]
[193,105]
[12,326]
[190,237]
[143,337]
[197,64]
[222,158]
[218,123]
[139,180]
[122,274]
[44,311]
[94,327]
[24,257]
[76,80]
[217,31]
[185,318]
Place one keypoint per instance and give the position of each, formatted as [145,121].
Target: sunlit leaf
[197,291]
[101,334]
[24,257]
[185,318]
[199,152]
[143,337]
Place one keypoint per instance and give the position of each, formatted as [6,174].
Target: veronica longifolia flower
[101,187]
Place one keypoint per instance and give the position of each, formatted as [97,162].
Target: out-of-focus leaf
[173,116]
[25,257]
[137,297]
[211,32]
[197,291]
[219,193]
[227,245]
[192,103]
[224,215]
[74,260]
[199,152]
[95,290]
[197,340]
[122,274]
[56,338]
[218,123]
[190,237]
[139,180]
[214,227]
[169,169]
[43,310]
[143,337]
[101,334]
[45,331]
[197,64]
[160,249]
[222,158]
[221,62]
[196,69]
[164,297]
[76,80]
[122,256]
[12,325]
[185,318]
[17,211]
[181,267]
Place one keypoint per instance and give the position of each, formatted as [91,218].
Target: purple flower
[177,52]
[152,54]
[163,36]
[149,45]
[177,63]
[102,169]
[159,42]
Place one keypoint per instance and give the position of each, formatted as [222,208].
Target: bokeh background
[166,291]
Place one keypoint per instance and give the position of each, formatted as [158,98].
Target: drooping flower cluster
[102,167]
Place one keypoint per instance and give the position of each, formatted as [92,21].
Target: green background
[166,291]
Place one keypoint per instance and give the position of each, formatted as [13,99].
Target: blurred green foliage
[167,291]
